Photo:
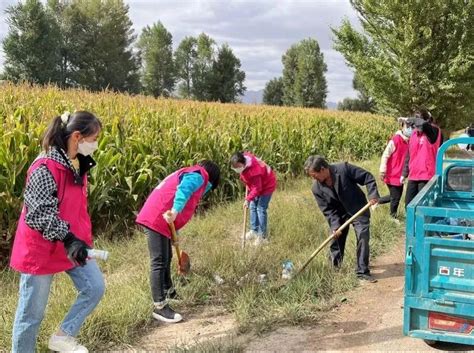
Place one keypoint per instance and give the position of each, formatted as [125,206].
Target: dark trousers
[361,227]
[159,247]
[395,196]
[413,188]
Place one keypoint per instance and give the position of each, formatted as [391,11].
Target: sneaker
[166,314]
[65,344]
[260,241]
[250,235]
[367,278]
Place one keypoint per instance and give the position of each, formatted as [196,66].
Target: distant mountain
[331,105]
[253,97]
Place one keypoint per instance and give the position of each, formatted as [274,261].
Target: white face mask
[87,148]
[238,170]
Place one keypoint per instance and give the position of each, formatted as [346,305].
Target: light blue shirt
[189,184]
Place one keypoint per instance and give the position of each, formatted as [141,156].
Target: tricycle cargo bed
[439,264]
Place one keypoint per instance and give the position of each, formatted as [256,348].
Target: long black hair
[59,131]
[213,171]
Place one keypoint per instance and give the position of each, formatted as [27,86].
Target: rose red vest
[35,255]
[396,161]
[162,199]
[422,157]
[259,168]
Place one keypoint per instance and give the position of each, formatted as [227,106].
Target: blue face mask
[407,131]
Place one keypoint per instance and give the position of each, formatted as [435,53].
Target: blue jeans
[258,214]
[34,293]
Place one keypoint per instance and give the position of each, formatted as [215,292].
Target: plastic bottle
[288,269]
[98,254]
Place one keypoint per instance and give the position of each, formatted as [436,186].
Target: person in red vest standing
[260,181]
[420,162]
[393,160]
[175,199]
[54,233]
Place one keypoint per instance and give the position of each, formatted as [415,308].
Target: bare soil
[369,320]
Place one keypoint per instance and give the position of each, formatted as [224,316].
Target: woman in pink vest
[54,233]
[420,163]
[393,159]
[260,182]
[175,199]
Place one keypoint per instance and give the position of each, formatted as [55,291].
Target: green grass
[297,227]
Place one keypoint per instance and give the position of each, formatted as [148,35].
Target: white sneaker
[65,344]
[250,235]
[260,241]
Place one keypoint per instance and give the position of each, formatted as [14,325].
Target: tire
[431,343]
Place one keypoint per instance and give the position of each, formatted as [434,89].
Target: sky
[259,31]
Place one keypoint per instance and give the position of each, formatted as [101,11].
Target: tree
[101,36]
[304,83]
[227,82]
[363,102]
[273,92]
[156,45]
[202,70]
[353,104]
[185,59]
[31,46]
[414,53]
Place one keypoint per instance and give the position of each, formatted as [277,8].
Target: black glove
[76,249]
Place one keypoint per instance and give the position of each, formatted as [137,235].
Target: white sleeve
[386,155]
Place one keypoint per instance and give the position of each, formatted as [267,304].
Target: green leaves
[145,139]
[413,54]
[304,83]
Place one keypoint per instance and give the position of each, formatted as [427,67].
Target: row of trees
[91,44]
[303,83]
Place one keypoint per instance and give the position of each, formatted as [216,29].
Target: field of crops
[144,139]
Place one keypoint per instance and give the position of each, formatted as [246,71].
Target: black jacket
[348,197]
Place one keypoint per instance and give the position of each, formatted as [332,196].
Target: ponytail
[61,128]
[55,135]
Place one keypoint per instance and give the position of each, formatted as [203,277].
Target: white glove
[402,180]
[246,204]
[170,216]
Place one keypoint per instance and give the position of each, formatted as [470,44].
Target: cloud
[259,31]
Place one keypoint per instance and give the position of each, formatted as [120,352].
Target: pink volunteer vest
[396,161]
[259,167]
[35,255]
[422,157]
[162,198]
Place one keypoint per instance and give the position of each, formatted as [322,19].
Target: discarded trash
[262,278]
[242,280]
[343,300]
[219,280]
[288,269]
[97,254]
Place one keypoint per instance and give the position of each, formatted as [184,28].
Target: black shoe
[166,314]
[366,277]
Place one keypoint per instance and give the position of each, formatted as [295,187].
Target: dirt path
[213,324]
[370,320]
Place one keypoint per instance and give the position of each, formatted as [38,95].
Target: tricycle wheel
[431,343]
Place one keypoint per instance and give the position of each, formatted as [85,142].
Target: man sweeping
[337,192]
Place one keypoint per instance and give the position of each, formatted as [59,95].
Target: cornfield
[144,139]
